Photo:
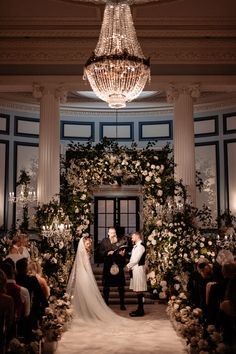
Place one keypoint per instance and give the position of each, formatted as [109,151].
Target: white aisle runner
[152,333]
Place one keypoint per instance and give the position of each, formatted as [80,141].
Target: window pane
[110,206]
[101,220]
[101,233]
[123,206]
[110,220]
[132,219]
[131,230]
[123,219]
[101,206]
[132,206]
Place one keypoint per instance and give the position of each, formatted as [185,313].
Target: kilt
[138,282]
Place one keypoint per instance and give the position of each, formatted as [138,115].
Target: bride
[88,304]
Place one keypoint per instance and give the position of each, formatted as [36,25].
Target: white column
[184,143]
[48,183]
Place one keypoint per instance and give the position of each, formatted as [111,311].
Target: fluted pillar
[184,143]
[48,183]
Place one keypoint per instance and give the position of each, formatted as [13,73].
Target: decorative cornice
[93,33]
[71,51]
[62,21]
[167,110]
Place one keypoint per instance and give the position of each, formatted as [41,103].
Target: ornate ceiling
[56,37]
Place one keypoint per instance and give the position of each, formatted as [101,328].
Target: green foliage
[24,179]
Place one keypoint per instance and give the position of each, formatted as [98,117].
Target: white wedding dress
[96,329]
[88,304]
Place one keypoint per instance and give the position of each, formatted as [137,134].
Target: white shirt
[136,254]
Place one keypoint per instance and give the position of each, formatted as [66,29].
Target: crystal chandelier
[117,70]
[25,196]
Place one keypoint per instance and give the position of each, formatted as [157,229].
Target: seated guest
[36,270]
[23,249]
[228,305]
[19,294]
[215,290]
[14,252]
[6,313]
[205,271]
[38,299]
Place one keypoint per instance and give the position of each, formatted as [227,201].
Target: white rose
[159,192]
[163,283]
[153,281]
[154,242]
[162,295]
[158,180]
[147,179]
[151,274]
[153,167]
[159,222]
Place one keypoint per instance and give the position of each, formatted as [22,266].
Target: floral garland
[107,163]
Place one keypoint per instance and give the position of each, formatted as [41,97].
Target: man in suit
[138,281]
[107,248]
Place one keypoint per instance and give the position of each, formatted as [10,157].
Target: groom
[138,281]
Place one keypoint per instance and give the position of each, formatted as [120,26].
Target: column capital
[173,91]
[59,92]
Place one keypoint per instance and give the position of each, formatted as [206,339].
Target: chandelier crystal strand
[117,70]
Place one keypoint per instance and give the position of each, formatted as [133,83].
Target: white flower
[197,312]
[151,275]
[147,178]
[182,296]
[158,180]
[154,242]
[153,281]
[159,192]
[163,283]
[211,328]
[61,245]
[159,223]
[216,336]
[209,243]
[83,197]
[162,295]
[150,237]
[177,286]
[153,167]
[202,343]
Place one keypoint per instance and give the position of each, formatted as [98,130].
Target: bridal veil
[87,301]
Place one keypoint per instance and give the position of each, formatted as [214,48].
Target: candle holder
[25,196]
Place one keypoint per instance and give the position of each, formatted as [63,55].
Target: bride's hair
[88,243]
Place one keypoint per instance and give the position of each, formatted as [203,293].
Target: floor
[150,334]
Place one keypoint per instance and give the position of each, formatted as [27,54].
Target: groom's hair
[138,234]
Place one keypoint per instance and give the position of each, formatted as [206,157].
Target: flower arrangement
[189,323]
[57,316]
[16,345]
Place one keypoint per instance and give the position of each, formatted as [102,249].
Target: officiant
[113,253]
